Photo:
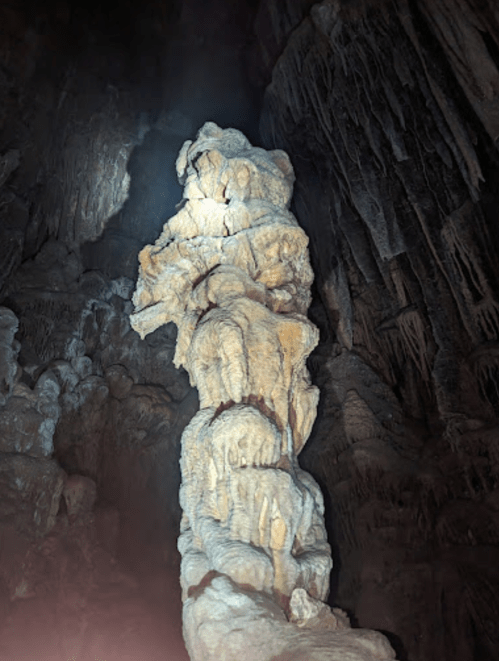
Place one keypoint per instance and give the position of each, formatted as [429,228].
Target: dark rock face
[394,146]
[389,111]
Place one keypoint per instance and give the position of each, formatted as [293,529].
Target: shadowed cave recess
[389,112]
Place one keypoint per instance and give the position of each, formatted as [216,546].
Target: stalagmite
[231,269]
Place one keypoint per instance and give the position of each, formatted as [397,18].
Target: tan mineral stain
[231,269]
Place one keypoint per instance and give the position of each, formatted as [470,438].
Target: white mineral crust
[231,270]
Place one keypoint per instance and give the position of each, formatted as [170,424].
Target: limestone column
[231,270]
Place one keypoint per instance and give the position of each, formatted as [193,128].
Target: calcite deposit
[231,269]
[31,481]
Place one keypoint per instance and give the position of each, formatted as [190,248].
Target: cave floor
[76,608]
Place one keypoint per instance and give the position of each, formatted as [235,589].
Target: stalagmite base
[231,269]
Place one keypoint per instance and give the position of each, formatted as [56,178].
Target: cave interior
[389,112]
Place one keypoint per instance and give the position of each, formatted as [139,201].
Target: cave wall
[96,102]
[389,112]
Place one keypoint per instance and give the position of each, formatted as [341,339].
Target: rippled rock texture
[231,270]
[392,108]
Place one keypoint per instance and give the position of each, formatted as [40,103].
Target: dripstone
[231,269]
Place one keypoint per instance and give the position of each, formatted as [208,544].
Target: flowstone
[231,269]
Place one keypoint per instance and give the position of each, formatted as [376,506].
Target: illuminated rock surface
[231,270]
[389,112]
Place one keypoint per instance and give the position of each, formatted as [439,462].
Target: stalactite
[485,365]
[359,86]
[401,181]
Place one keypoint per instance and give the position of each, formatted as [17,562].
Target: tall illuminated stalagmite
[231,270]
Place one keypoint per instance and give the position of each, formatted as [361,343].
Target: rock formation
[231,270]
[402,217]
[389,112]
